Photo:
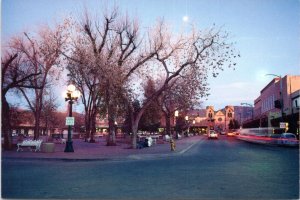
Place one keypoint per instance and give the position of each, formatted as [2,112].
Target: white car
[212,134]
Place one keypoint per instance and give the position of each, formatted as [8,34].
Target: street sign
[283,125]
[70,121]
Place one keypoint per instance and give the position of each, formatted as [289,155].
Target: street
[221,168]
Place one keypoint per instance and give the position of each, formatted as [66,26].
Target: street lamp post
[176,125]
[71,96]
[188,125]
[194,122]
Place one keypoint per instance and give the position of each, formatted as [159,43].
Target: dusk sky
[266,33]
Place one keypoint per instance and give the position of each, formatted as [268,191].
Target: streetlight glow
[176,113]
[76,94]
[71,88]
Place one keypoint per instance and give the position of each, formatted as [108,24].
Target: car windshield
[212,132]
[288,136]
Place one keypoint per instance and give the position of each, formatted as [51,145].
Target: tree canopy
[109,58]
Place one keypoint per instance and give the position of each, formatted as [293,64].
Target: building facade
[210,118]
[243,114]
[278,99]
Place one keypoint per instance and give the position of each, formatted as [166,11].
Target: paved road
[211,169]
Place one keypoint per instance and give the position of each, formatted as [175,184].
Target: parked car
[212,134]
[288,135]
[288,139]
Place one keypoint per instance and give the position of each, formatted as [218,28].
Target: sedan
[212,134]
[288,139]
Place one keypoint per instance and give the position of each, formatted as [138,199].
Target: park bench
[30,144]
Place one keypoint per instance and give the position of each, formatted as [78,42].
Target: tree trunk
[46,126]
[6,128]
[93,127]
[37,125]
[111,138]
[134,134]
[87,127]
[135,125]
[135,119]
[168,124]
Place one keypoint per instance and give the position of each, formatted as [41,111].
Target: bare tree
[115,54]
[150,120]
[181,96]
[15,73]
[105,53]
[41,52]
[194,55]
[49,107]
[83,75]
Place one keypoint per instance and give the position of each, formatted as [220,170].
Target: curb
[59,159]
[124,158]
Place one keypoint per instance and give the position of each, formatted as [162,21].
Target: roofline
[270,83]
[295,94]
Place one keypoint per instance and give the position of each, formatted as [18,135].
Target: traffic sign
[283,125]
[70,121]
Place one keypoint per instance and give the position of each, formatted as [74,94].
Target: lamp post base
[69,146]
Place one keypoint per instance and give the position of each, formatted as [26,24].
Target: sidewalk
[99,151]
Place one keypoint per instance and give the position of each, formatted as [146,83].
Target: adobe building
[209,118]
[197,120]
[23,122]
[221,118]
[278,102]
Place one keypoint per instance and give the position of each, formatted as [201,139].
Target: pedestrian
[172,143]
